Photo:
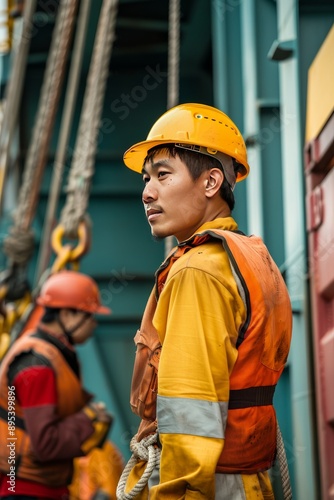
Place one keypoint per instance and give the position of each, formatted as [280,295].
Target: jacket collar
[225,223]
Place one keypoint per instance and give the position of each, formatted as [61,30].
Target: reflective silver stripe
[229,487]
[191,416]
[239,285]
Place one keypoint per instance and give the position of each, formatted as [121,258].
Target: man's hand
[101,420]
[101,412]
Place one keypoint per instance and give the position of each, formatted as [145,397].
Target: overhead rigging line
[19,245]
[13,92]
[173,54]
[173,81]
[64,134]
[82,168]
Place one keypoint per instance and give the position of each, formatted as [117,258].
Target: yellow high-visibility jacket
[208,308]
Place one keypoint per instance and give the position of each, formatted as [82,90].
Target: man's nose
[149,192]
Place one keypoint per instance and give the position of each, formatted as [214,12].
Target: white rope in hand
[142,450]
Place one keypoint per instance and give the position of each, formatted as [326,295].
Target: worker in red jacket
[46,417]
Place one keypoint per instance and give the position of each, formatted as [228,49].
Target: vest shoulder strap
[69,355]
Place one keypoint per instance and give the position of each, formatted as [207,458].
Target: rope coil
[145,450]
[19,245]
[142,450]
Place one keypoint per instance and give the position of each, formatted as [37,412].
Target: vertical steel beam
[219,57]
[251,118]
[294,232]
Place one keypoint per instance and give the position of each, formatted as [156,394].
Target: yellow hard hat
[193,124]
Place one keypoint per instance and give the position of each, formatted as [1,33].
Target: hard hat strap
[69,332]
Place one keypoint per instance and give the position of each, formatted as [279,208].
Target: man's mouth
[152,214]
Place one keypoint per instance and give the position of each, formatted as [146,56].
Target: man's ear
[214,181]
[64,314]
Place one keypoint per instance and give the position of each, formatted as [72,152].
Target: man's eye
[163,174]
[145,180]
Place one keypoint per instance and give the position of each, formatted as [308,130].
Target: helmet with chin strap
[72,290]
[200,128]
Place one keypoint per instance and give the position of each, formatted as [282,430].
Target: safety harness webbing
[252,396]
[19,422]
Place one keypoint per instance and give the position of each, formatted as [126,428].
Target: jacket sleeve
[198,317]
[52,438]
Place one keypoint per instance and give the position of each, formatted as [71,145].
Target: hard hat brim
[135,156]
[103,310]
[60,305]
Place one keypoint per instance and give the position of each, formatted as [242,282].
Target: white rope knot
[142,450]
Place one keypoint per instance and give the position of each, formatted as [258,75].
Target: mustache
[151,206]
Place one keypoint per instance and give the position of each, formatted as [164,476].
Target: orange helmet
[193,124]
[71,290]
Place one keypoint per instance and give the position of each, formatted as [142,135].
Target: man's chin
[159,236]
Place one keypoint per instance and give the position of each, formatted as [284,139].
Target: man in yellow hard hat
[46,416]
[216,331]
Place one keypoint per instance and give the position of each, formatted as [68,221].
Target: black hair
[196,163]
[50,315]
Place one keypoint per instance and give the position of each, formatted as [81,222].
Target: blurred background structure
[80,82]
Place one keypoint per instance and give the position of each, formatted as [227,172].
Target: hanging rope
[283,465]
[84,157]
[82,168]
[142,450]
[19,245]
[173,74]
[64,134]
[13,92]
[173,54]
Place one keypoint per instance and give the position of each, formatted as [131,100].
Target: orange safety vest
[71,399]
[263,345]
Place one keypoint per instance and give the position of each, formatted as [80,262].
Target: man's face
[174,203]
[86,324]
